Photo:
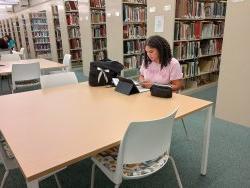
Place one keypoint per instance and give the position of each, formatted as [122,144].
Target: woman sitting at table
[159,66]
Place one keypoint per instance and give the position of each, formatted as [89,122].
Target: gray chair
[25,75]
[144,150]
[60,79]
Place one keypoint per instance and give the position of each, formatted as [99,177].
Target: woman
[10,41]
[159,66]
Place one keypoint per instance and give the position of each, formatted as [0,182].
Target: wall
[233,97]
[166,9]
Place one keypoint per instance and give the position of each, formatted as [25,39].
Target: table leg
[33,184]
[206,139]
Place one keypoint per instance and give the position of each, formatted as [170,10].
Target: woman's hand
[146,84]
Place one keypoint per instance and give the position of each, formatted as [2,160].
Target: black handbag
[163,91]
[102,72]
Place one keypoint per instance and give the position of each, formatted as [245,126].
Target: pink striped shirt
[155,74]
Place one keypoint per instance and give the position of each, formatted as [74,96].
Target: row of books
[59,44]
[71,5]
[98,16]
[133,61]
[134,14]
[99,31]
[134,31]
[39,21]
[200,9]
[74,43]
[72,19]
[58,35]
[40,34]
[200,67]
[100,55]
[74,32]
[42,47]
[212,29]
[39,27]
[99,44]
[195,49]
[76,55]
[60,54]
[135,1]
[198,30]
[41,15]
[41,40]
[97,3]
[131,47]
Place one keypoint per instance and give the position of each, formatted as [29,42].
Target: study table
[50,129]
[6,66]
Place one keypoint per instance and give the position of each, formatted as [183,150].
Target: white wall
[233,98]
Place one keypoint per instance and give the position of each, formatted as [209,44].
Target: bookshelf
[4,28]
[1,29]
[198,39]
[25,33]
[14,32]
[134,35]
[74,35]
[40,34]
[18,32]
[98,27]
[58,36]
[8,28]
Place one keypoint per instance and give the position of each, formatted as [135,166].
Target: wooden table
[6,66]
[53,128]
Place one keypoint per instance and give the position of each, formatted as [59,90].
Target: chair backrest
[67,62]
[23,72]
[144,141]
[60,79]
[22,51]
[10,57]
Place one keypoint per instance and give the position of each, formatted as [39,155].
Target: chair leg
[57,181]
[176,172]
[9,82]
[92,176]
[4,178]
[184,126]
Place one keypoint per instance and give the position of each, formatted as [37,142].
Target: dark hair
[163,48]
[8,37]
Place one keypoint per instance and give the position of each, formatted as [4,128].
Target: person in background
[159,66]
[11,42]
[3,44]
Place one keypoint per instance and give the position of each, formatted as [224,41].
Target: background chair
[10,57]
[25,75]
[143,151]
[66,62]
[21,53]
[60,79]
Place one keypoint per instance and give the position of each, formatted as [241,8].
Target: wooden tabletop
[6,66]
[52,128]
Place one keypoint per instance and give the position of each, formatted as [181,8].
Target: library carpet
[228,163]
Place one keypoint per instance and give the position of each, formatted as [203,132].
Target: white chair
[25,75]
[143,151]
[10,57]
[21,53]
[60,79]
[66,62]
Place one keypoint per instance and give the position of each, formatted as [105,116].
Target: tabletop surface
[52,128]
[6,66]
